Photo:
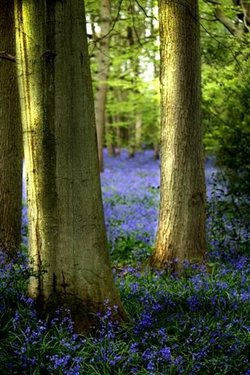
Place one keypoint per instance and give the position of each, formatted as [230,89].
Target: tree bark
[10,137]
[66,222]
[181,228]
[102,76]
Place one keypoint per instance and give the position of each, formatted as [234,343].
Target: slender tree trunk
[66,222]
[102,76]
[131,141]
[111,149]
[134,128]
[118,138]
[138,131]
[156,75]
[181,229]
[110,137]
[131,127]
[10,137]
[156,151]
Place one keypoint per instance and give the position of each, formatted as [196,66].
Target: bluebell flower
[165,353]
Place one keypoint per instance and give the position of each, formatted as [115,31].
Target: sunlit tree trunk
[102,76]
[10,136]
[66,223]
[181,228]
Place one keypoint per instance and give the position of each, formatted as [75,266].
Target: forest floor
[194,323]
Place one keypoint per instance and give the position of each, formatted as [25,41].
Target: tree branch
[229,25]
[6,56]
[215,2]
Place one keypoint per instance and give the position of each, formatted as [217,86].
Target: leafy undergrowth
[196,323]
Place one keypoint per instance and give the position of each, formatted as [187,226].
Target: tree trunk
[118,137]
[131,140]
[10,138]
[138,131]
[133,128]
[66,222]
[102,76]
[156,151]
[110,137]
[181,228]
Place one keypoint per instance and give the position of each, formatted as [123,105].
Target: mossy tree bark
[10,137]
[181,228]
[66,222]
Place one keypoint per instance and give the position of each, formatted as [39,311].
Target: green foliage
[228,222]
[134,60]
[129,250]
[234,156]
[225,84]
[134,71]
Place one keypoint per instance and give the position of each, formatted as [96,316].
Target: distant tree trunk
[135,127]
[10,137]
[156,75]
[131,127]
[118,139]
[66,222]
[181,228]
[138,130]
[102,76]
[156,151]
[110,137]
[131,141]
[111,150]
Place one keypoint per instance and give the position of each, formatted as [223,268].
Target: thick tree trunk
[181,229]
[10,138]
[102,76]
[66,222]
